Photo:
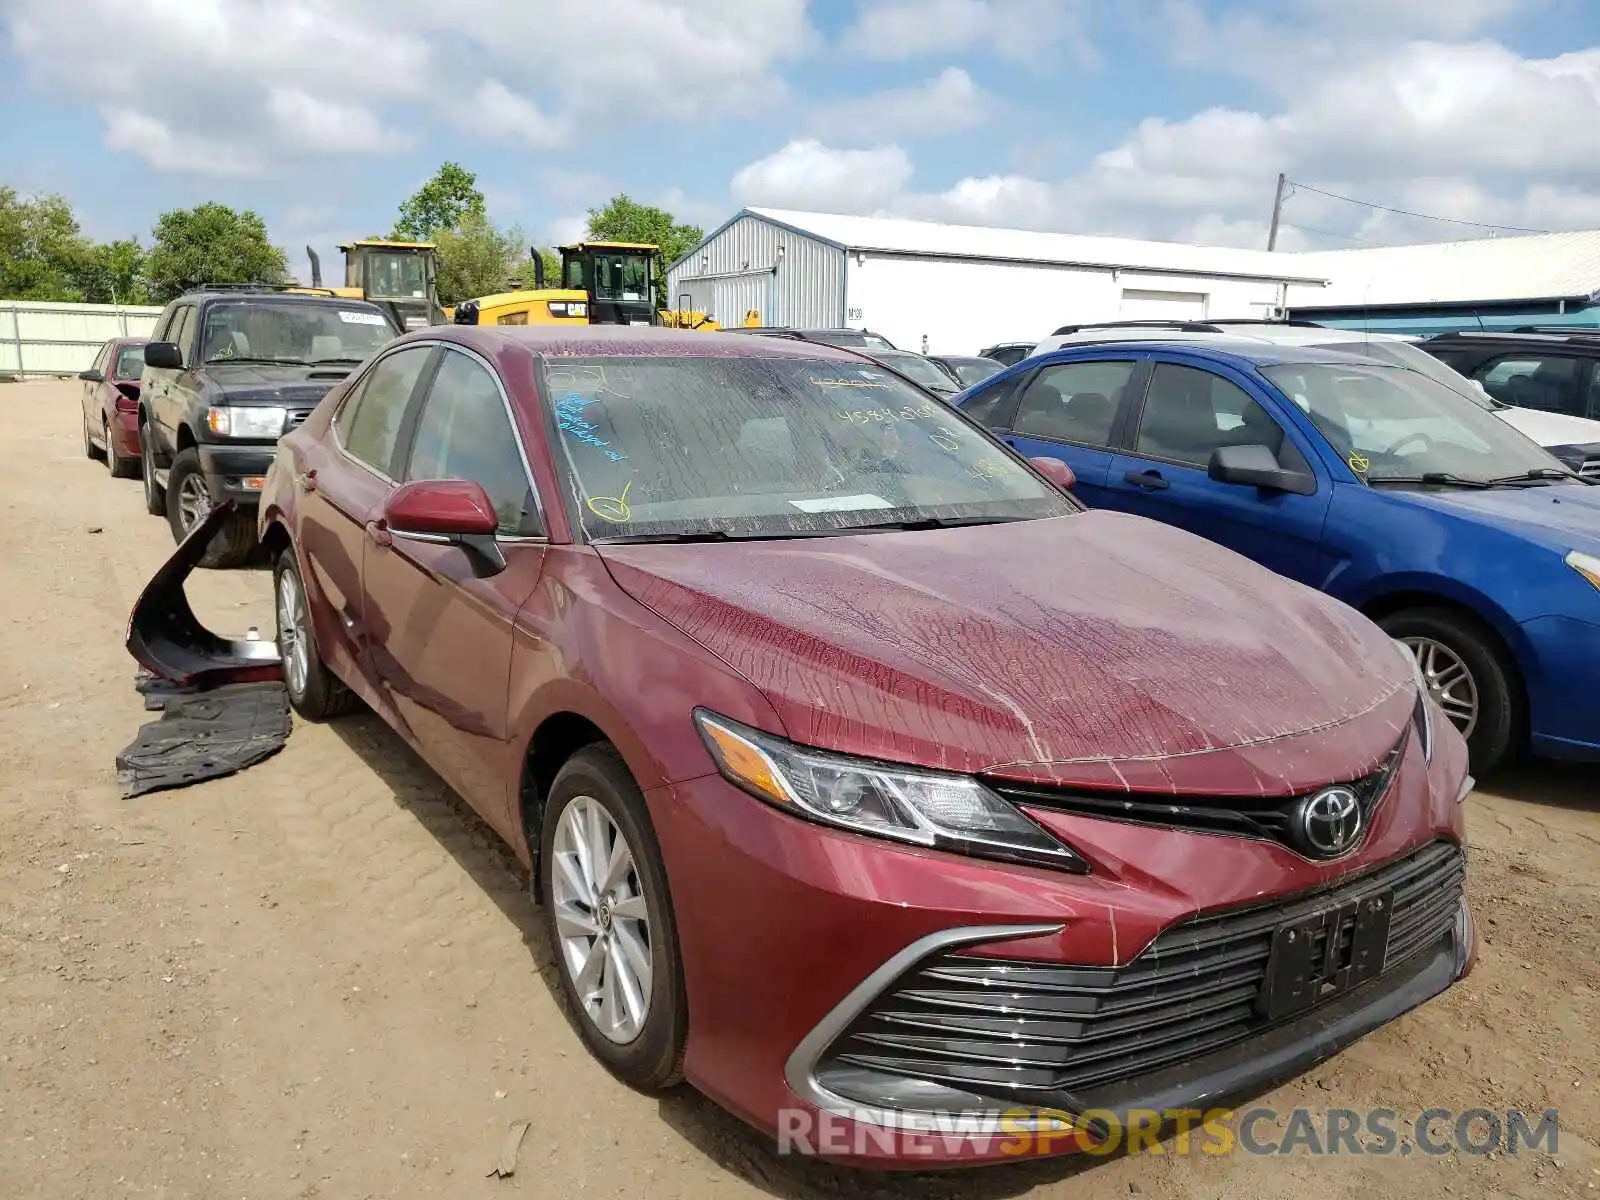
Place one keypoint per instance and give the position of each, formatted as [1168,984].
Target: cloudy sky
[1154,118]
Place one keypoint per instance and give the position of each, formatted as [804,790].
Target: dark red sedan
[111,406]
[866,779]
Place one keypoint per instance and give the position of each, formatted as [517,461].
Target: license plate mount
[1325,954]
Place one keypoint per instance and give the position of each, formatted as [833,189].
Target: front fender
[1417,586]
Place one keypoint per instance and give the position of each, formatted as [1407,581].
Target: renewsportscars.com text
[1021,1132]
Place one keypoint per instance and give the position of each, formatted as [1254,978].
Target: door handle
[307,480]
[378,531]
[1150,481]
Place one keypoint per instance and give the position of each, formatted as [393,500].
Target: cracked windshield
[261,331]
[728,447]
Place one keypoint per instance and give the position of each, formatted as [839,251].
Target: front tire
[189,499]
[603,889]
[314,691]
[1471,677]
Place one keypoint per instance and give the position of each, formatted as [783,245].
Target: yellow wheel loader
[602,283]
[401,277]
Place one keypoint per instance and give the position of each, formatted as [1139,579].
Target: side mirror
[1257,466]
[91,376]
[457,511]
[1056,471]
[164,356]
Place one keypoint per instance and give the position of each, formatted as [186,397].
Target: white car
[1575,440]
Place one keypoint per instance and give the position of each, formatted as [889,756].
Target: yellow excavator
[401,277]
[602,283]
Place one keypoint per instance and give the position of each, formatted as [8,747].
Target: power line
[1295,186]
[1329,233]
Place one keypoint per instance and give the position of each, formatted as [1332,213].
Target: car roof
[643,341]
[1584,338]
[1239,351]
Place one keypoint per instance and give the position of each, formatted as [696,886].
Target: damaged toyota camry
[862,774]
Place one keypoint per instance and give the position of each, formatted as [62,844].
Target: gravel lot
[323,978]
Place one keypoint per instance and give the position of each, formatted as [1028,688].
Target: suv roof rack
[258,287]
[1548,332]
[1217,326]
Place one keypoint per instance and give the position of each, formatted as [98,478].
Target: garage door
[1162,306]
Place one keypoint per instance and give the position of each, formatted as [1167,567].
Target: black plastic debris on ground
[203,735]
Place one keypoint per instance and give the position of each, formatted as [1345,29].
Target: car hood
[1549,428]
[1562,514]
[1097,650]
[263,383]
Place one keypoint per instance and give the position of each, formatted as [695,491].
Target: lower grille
[1010,1028]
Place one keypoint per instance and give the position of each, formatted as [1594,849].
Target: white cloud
[152,140]
[1014,29]
[947,103]
[563,231]
[807,174]
[328,126]
[499,113]
[290,80]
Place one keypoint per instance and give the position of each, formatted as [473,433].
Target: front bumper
[236,473]
[797,942]
[1563,682]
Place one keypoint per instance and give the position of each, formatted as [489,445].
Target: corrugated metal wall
[37,338]
[734,273]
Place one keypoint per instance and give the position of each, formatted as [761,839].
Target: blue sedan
[1373,483]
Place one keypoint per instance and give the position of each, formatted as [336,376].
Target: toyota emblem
[1329,823]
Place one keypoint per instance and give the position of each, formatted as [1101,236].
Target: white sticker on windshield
[361,318]
[841,504]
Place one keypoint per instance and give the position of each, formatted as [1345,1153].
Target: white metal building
[963,287]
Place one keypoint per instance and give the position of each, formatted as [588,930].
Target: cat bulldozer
[400,277]
[602,283]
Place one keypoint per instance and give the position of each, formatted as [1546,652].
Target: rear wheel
[155,496]
[189,501]
[603,888]
[1470,677]
[120,468]
[90,450]
[314,691]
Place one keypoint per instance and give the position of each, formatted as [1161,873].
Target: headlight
[925,808]
[1586,565]
[252,422]
[569,308]
[1422,713]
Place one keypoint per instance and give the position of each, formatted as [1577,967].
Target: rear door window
[1074,402]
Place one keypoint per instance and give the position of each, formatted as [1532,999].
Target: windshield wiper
[317,362]
[1431,479]
[707,535]
[929,523]
[245,358]
[1537,475]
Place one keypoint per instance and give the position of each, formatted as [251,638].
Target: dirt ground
[323,978]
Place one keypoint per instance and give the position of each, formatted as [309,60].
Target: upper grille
[295,420]
[1265,817]
[1590,469]
[1009,1027]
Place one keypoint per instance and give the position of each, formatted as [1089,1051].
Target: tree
[42,252]
[626,220]
[444,202]
[211,243]
[476,259]
[114,273]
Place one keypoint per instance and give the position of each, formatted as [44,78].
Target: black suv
[1553,369]
[227,372]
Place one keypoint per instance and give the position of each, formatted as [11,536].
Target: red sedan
[111,406]
[865,779]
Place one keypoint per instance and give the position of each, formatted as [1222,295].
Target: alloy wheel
[294,646]
[602,920]
[194,501]
[1449,681]
[147,465]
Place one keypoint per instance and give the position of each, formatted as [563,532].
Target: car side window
[1074,402]
[368,425]
[984,408]
[102,359]
[466,433]
[1189,413]
[182,326]
[1591,406]
[1528,382]
[164,325]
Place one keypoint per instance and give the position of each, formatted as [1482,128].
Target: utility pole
[1277,211]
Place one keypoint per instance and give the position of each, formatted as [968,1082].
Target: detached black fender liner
[168,640]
